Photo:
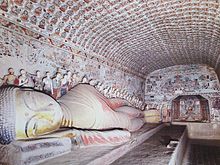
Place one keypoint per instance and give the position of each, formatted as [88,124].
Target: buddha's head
[26,113]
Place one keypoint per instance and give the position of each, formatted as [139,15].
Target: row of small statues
[59,84]
[56,86]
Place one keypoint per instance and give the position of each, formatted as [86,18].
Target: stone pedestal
[33,152]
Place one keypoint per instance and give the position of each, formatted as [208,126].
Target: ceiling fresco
[138,35]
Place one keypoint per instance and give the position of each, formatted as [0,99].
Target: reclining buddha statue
[26,113]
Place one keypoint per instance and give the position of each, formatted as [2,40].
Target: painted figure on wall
[4,5]
[10,78]
[47,84]
[216,103]
[190,108]
[24,15]
[190,114]
[215,115]
[18,2]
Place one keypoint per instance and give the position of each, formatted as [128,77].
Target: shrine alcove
[190,108]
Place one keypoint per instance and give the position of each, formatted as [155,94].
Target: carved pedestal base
[33,152]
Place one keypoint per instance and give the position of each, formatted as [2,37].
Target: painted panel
[164,85]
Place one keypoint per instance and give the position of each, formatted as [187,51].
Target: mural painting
[164,85]
[35,63]
[215,109]
[190,108]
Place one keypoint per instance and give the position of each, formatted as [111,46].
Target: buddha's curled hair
[7,114]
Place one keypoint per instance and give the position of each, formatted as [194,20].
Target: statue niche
[192,108]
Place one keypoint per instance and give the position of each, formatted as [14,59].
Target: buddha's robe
[84,107]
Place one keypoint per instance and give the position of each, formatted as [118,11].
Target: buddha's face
[36,114]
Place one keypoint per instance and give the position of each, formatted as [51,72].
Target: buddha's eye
[50,104]
[35,129]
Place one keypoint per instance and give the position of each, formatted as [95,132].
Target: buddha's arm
[115,103]
[84,107]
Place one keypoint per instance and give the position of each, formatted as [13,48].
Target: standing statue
[23,78]
[84,80]
[10,78]
[74,79]
[47,84]
[64,84]
[57,85]
[105,91]
[38,81]
[27,113]
[69,80]
[78,79]
[92,82]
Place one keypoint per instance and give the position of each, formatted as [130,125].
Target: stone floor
[94,155]
[153,151]
[203,152]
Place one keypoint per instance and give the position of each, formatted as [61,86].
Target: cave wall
[163,85]
[21,48]
[218,71]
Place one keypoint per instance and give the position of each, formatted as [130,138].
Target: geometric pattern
[138,35]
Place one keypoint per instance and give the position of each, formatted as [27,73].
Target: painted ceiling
[139,35]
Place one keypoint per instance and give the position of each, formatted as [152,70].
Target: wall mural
[25,61]
[121,28]
[164,85]
[190,108]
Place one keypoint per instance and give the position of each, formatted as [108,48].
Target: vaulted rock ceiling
[139,35]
